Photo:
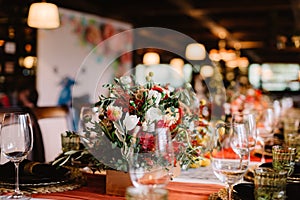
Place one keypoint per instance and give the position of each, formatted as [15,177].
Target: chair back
[53,121]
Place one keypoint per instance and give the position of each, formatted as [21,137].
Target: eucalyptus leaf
[58,160]
[71,152]
[65,161]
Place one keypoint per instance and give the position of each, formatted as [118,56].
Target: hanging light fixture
[177,64]
[222,53]
[29,62]
[207,71]
[195,51]
[232,58]
[43,15]
[151,58]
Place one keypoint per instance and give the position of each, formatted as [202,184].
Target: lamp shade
[207,71]
[195,51]
[29,62]
[177,64]
[151,58]
[43,15]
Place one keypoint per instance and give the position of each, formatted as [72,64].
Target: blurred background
[252,43]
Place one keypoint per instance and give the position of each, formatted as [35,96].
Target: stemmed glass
[266,125]
[16,143]
[268,120]
[230,155]
[249,120]
[152,159]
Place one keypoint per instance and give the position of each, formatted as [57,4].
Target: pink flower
[114,113]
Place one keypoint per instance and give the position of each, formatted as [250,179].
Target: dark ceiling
[254,25]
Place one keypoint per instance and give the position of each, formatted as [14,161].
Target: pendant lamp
[151,58]
[43,15]
[195,51]
[177,64]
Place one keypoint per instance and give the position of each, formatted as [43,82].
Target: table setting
[159,143]
[275,141]
[20,177]
[37,177]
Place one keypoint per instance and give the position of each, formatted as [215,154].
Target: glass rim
[282,149]
[266,171]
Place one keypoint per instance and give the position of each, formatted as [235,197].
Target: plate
[44,175]
[34,181]
[245,191]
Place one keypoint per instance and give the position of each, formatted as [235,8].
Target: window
[275,76]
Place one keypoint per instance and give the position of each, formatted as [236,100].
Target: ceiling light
[177,64]
[231,57]
[296,40]
[207,71]
[214,55]
[151,58]
[281,41]
[43,15]
[29,62]
[195,51]
[243,62]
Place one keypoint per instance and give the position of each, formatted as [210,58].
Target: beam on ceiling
[214,27]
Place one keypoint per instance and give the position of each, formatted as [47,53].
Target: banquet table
[198,183]
[95,189]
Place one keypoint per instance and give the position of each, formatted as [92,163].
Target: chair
[53,121]
[37,153]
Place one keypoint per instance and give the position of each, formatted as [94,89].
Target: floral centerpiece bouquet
[131,110]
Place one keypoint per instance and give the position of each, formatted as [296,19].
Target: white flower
[130,121]
[93,135]
[153,94]
[153,114]
[171,117]
[144,126]
[126,80]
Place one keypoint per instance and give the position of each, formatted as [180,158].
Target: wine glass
[249,120]
[277,113]
[268,120]
[230,155]
[16,143]
[152,159]
[266,125]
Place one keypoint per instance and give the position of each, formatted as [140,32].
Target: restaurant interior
[256,32]
[213,63]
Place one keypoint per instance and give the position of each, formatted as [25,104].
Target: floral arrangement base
[117,182]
